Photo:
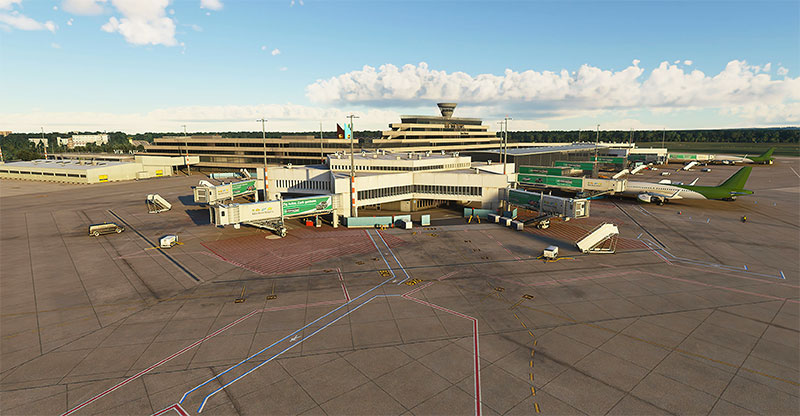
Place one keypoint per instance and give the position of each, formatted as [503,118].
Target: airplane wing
[694,181]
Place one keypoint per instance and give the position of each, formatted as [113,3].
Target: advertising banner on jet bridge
[244,187]
[307,206]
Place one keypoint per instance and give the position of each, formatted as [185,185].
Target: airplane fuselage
[634,189]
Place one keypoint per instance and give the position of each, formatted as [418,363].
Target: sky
[218,65]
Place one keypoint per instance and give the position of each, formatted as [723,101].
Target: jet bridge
[270,215]
[207,193]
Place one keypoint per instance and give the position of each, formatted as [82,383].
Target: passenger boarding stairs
[602,239]
[156,204]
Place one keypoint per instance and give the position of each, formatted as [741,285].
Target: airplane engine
[644,197]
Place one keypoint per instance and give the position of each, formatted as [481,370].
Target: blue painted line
[395,259]
[199,410]
[707,264]
[708,220]
[640,235]
[379,252]
[745,267]
[282,339]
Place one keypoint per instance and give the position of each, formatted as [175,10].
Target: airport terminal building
[412,134]
[397,181]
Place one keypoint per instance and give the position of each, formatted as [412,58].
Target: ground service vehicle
[105,228]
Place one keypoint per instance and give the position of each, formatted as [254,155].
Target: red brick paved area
[300,249]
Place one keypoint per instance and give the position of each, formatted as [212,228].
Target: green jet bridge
[548,206]
[270,215]
[208,193]
[581,186]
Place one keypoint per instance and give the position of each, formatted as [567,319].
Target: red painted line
[301,305]
[712,270]
[344,288]
[448,275]
[148,369]
[562,281]
[475,345]
[176,407]
[215,333]
[724,288]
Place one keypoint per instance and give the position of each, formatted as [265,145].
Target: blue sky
[219,64]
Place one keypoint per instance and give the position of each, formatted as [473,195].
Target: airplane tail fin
[767,154]
[738,179]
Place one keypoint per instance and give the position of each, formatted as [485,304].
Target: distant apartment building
[81,140]
[412,134]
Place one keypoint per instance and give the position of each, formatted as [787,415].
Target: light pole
[596,141]
[321,147]
[264,140]
[353,211]
[186,156]
[505,152]
[44,143]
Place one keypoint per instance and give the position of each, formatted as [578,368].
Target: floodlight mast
[264,141]
[353,210]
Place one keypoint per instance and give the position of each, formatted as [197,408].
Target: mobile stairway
[156,204]
[602,239]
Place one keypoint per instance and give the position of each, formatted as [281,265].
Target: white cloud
[263,47]
[8,4]
[677,61]
[547,94]
[84,7]
[782,71]
[211,4]
[143,22]
[687,62]
[22,22]
[283,68]
[276,51]
[69,22]
[55,45]
[291,3]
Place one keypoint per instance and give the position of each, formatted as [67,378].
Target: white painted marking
[795,172]
[294,338]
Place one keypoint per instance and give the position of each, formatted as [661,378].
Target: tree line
[16,146]
[770,135]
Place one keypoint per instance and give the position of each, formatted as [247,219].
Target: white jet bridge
[270,215]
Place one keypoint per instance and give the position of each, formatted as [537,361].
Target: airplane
[764,158]
[659,193]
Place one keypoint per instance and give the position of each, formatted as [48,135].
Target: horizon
[215,65]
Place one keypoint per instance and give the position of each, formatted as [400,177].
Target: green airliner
[660,193]
[764,158]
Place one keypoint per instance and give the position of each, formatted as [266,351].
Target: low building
[217,152]
[81,140]
[395,181]
[36,142]
[92,171]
